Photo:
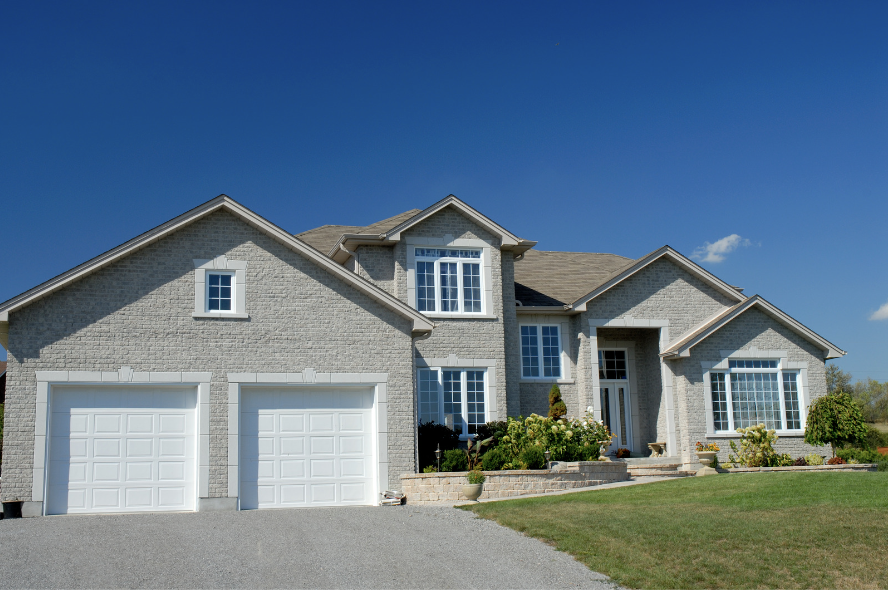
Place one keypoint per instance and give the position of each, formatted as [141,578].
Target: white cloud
[715,252]
[881,314]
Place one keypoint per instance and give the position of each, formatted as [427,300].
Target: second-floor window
[220,296]
[448,280]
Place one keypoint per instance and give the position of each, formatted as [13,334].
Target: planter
[12,510]
[472,491]
[706,457]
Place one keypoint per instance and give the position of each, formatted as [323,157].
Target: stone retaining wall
[437,488]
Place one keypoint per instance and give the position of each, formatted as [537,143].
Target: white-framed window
[750,392]
[220,291]
[455,397]
[612,364]
[540,351]
[220,288]
[449,280]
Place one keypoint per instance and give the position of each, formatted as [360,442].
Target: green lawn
[771,530]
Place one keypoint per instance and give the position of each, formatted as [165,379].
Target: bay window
[751,392]
[453,397]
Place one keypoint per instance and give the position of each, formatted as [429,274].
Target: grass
[771,530]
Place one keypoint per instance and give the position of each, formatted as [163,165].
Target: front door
[615,412]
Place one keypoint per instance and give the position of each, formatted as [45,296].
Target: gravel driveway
[381,547]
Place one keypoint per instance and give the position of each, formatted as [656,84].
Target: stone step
[670,470]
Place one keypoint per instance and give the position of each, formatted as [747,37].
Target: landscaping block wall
[442,488]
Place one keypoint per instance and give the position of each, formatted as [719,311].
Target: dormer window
[449,281]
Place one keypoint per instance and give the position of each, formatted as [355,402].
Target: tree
[835,419]
[557,408]
[836,380]
[872,396]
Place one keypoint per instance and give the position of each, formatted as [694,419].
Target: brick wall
[137,312]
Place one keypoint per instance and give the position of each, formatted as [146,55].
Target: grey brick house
[219,362]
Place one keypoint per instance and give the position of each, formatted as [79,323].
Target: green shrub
[575,452]
[814,460]
[475,477]
[453,461]
[557,408]
[835,419]
[533,458]
[875,438]
[861,455]
[430,435]
[493,460]
[430,469]
[492,429]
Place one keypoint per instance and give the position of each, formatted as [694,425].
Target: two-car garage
[135,448]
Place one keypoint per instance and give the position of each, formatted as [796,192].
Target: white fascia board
[420,323]
[556,310]
[508,241]
[580,304]
[682,347]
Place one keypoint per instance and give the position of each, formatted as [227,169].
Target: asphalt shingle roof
[555,278]
[324,238]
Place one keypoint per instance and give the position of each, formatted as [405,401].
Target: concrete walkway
[632,481]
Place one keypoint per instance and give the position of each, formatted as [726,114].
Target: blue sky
[588,126]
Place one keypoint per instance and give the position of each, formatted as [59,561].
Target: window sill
[545,381]
[220,315]
[780,433]
[467,317]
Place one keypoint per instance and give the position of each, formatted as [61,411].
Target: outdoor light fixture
[438,456]
[548,456]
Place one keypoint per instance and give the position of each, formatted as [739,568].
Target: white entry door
[121,449]
[307,447]
[616,412]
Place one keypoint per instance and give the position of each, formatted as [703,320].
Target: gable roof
[556,278]
[421,324]
[377,234]
[326,238]
[682,347]
[634,267]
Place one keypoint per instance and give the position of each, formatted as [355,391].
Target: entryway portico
[631,385]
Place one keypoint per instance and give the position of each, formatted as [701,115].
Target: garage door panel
[135,456]
[313,456]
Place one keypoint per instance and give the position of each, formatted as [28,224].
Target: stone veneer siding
[438,488]
[137,312]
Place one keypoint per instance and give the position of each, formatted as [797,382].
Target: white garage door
[306,447]
[121,449]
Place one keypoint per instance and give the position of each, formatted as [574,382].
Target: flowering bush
[814,460]
[710,447]
[475,477]
[756,448]
[565,439]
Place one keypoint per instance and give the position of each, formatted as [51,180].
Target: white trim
[376,380]
[125,376]
[448,242]
[222,265]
